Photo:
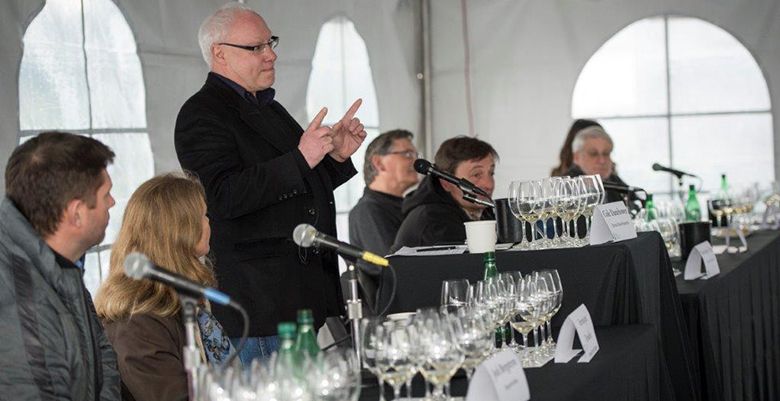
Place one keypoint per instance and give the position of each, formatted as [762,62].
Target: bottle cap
[286,329]
[305,316]
[691,187]
[649,197]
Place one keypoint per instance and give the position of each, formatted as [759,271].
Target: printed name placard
[611,222]
[702,251]
[499,378]
[579,322]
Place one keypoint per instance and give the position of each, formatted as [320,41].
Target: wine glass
[373,334]
[514,194]
[554,285]
[670,234]
[528,203]
[525,319]
[395,358]
[594,189]
[455,294]
[440,352]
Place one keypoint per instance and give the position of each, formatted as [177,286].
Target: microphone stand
[192,360]
[355,312]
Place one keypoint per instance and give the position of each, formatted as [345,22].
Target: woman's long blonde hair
[163,220]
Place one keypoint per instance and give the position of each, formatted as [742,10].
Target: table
[621,283]
[734,323]
[625,368]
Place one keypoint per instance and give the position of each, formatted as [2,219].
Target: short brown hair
[163,220]
[456,150]
[48,171]
[381,146]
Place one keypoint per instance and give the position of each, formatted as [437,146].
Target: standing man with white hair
[263,175]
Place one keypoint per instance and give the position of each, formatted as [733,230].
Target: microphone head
[422,166]
[137,265]
[304,235]
[657,167]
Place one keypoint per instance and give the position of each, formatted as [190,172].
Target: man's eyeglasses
[409,154]
[271,44]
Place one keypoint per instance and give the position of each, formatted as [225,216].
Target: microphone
[678,173]
[425,167]
[306,235]
[622,188]
[138,267]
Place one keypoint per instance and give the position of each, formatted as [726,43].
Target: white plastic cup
[481,236]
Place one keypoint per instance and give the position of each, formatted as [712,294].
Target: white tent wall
[526,55]
[15,15]
[173,69]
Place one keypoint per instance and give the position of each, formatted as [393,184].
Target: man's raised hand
[316,141]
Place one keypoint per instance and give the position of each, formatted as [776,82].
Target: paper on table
[579,322]
[431,250]
[611,222]
[702,251]
[499,378]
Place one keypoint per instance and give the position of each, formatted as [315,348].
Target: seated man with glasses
[389,172]
[592,148]
[263,174]
[435,212]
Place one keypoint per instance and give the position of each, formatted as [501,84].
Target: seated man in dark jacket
[57,197]
[436,211]
[388,171]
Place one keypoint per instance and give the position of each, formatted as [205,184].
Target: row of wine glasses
[525,303]
[540,202]
[331,375]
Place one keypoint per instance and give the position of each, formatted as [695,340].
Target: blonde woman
[165,219]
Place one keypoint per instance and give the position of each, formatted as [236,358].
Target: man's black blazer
[258,188]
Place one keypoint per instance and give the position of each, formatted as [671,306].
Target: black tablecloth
[734,322]
[623,283]
[625,368]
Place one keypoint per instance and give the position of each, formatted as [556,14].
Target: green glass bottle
[650,213]
[724,185]
[285,357]
[307,340]
[489,260]
[692,208]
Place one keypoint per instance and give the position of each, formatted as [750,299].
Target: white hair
[216,26]
[591,132]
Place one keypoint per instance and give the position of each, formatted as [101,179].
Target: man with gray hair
[263,175]
[592,148]
[389,172]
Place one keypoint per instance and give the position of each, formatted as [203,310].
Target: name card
[579,322]
[611,222]
[499,378]
[702,251]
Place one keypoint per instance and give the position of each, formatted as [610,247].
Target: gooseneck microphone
[678,173]
[306,235]
[425,167]
[622,188]
[139,267]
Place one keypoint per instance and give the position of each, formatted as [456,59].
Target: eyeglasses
[271,44]
[409,154]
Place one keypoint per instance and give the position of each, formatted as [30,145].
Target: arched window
[80,73]
[680,91]
[340,74]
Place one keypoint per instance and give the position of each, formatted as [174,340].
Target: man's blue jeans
[256,348]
